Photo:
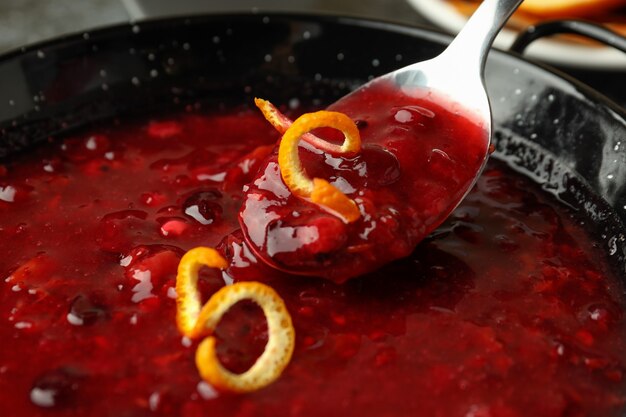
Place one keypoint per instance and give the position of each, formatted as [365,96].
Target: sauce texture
[417,161]
[507,309]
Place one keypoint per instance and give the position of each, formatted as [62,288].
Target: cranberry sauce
[506,310]
[418,161]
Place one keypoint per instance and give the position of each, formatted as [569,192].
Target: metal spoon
[454,79]
[458,72]
[433,182]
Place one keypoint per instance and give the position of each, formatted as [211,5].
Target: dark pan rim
[121,30]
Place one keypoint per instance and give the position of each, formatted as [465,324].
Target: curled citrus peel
[188,302]
[280,343]
[281,123]
[194,321]
[273,115]
[318,190]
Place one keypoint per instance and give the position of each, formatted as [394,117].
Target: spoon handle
[477,36]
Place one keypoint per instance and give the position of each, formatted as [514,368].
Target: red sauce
[418,161]
[506,310]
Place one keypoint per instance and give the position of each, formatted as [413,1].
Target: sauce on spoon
[416,162]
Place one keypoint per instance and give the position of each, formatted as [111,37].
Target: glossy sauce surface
[418,160]
[507,309]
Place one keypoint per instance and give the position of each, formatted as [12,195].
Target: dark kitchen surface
[26,21]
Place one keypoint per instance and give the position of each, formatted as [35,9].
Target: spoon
[425,132]
[458,72]
[455,81]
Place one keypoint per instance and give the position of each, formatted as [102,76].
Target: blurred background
[24,22]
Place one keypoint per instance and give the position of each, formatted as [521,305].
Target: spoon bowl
[425,132]
[434,120]
[457,74]
[454,83]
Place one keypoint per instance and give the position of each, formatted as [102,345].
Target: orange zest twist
[194,321]
[188,302]
[318,190]
[281,123]
[273,115]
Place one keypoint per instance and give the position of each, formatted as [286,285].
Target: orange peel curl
[563,8]
[319,191]
[195,321]
[280,344]
[281,123]
[188,302]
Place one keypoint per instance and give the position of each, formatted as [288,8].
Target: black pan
[554,129]
[548,126]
